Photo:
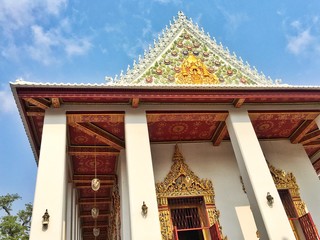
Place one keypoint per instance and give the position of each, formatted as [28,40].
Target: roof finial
[181,14]
[177,156]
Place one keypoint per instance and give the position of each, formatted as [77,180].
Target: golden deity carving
[194,71]
[182,182]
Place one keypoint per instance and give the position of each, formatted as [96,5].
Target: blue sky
[83,41]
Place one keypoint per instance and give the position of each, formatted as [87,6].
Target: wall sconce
[45,219]
[270,199]
[144,209]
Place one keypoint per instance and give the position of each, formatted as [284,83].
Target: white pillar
[140,177]
[317,120]
[69,211]
[74,219]
[51,183]
[272,221]
[124,196]
[78,227]
[80,230]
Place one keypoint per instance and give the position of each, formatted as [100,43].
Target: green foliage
[14,227]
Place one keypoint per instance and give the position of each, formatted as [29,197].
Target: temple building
[189,144]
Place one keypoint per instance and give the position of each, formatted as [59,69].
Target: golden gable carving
[181,181]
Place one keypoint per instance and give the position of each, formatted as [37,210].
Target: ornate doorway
[300,220]
[186,205]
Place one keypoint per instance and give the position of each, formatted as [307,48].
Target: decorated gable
[184,54]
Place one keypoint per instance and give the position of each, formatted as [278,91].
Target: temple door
[308,227]
[175,233]
[302,225]
[214,232]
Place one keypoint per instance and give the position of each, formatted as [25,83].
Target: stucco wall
[220,166]
[293,158]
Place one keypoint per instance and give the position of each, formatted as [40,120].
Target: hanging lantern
[94,212]
[95,184]
[96,232]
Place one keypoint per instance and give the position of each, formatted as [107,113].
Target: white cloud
[22,13]
[177,2]
[77,46]
[24,32]
[233,19]
[299,43]
[55,6]
[47,44]
[15,14]
[7,102]
[303,36]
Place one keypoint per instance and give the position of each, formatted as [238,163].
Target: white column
[69,211]
[124,196]
[74,219]
[77,223]
[51,183]
[140,177]
[317,120]
[80,231]
[272,221]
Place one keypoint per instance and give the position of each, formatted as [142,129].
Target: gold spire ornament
[194,71]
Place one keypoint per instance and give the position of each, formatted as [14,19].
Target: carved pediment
[183,42]
[282,179]
[181,181]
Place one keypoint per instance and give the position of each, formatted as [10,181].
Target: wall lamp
[270,199]
[144,209]
[45,219]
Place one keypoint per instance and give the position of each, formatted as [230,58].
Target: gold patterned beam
[307,115]
[303,129]
[37,102]
[237,103]
[94,202]
[84,215]
[107,181]
[100,134]
[315,135]
[90,200]
[91,225]
[114,117]
[88,213]
[219,134]
[99,151]
[89,186]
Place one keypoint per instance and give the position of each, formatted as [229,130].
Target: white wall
[219,165]
[293,158]
[215,163]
